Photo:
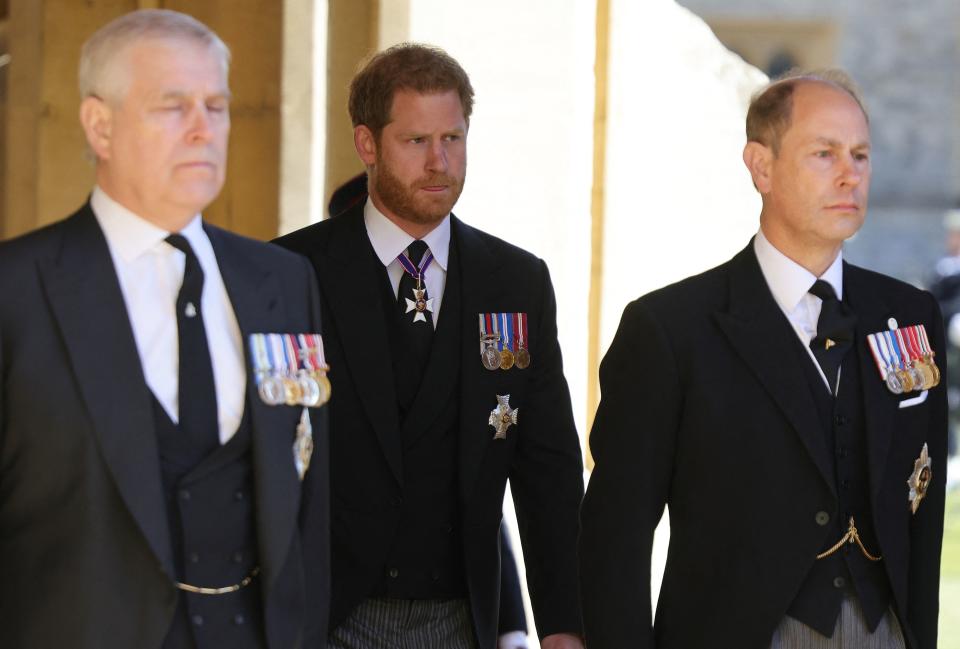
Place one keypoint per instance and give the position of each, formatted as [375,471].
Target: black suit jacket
[85,550]
[540,456]
[705,408]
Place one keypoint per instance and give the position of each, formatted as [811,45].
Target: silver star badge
[419,304]
[503,416]
[919,480]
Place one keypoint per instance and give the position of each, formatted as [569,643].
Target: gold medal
[905,379]
[523,358]
[506,359]
[291,391]
[926,373]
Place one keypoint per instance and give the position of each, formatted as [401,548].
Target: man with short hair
[789,409]
[447,380]
[149,497]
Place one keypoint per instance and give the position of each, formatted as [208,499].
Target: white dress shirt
[389,241]
[150,272]
[790,282]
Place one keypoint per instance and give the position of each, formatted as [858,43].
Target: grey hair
[98,71]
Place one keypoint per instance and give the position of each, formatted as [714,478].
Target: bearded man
[431,415]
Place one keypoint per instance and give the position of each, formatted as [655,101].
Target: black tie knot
[823,290]
[180,242]
[835,329]
[415,251]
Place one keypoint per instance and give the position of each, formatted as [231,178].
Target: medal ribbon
[877,356]
[885,350]
[483,325]
[317,348]
[524,338]
[258,350]
[416,272]
[307,353]
[926,340]
[294,354]
[916,350]
[290,350]
[278,359]
[506,330]
[894,349]
[496,330]
[905,352]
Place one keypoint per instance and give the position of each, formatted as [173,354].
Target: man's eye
[823,154]
[416,140]
[452,138]
[217,107]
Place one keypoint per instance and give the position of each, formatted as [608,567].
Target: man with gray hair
[149,492]
[789,409]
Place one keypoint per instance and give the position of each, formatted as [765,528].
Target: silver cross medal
[419,304]
[502,416]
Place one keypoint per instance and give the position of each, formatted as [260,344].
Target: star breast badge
[919,480]
[503,416]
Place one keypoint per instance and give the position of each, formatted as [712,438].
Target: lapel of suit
[351,279]
[256,296]
[878,407]
[761,335]
[440,376]
[479,290]
[85,297]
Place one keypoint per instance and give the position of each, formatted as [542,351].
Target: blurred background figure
[945,286]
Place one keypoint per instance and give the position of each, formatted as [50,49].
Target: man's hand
[561,641]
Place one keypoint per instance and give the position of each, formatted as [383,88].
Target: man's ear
[366,144]
[96,117]
[759,161]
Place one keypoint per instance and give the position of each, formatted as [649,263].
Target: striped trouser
[406,624]
[851,632]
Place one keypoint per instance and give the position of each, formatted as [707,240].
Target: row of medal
[290,369]
[904,358]
[504,341]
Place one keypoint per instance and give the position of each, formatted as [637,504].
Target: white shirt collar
[389,240]
[129,235]
[789,281]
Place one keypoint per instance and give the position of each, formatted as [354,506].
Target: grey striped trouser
[406,624]
[851,632]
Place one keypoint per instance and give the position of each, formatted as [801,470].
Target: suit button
[194,557]
[397,501]
[449,528]
[239,620]
[840,420]
[844,484]
[435,575]
[393,573]
[237,557]
[839,582]
[238,496]
[184,495]
[842,452]
[822,518]
[197,620]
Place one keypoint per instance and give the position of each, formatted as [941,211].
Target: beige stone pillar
[352,34]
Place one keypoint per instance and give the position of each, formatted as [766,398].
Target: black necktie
[417,334]
[834,332]
[196,392]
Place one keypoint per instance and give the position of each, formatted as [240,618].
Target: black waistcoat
[211,516]
[425,560]
[818,603]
